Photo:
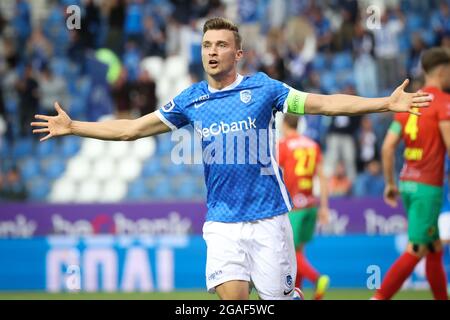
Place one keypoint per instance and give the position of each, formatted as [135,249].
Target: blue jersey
[236,126]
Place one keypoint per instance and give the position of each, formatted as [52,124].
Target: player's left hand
[323,215]
[390,195]
[401,101]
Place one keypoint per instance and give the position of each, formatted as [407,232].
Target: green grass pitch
[334,294]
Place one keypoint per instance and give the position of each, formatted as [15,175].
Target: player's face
[219,52]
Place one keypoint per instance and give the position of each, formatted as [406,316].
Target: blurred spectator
[341,145]
[440,21]
[344,36]
[121,95]
[22,24]
[415,54]
[51,88]
[251,63]
[38,50]
[250,13]
[365,69]
[370,183]
[12,187]
[154,39]
[143,94]
[182,12]
[134,20]
[387,51]
[339,184]
[115,12]
[28,92]
[131,60]
[367,144]
[91,24]
[191,47]
[322,28]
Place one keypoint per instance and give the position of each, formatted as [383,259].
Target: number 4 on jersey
[411,128]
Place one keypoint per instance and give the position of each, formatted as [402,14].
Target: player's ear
[239,54]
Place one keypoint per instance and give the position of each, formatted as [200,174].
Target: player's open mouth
[213,63]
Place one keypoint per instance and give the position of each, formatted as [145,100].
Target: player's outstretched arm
[122,129]
[342,104]
[388,160]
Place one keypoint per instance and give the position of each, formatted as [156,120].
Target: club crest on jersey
[246,96]
[168,107]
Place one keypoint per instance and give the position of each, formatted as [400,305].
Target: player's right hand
[58,125]
[390,195]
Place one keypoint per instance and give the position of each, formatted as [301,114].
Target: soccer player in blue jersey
[247,229]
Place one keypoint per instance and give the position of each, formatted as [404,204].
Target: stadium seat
[175,67]
[414,22]
[70,146]
[129,168]
[46,148]
[153,65]
[78,168]
[428,37]
[53,167]
[5,149]
[113,190]
[174,170]
[319,63]
[89,191]
[63,190]
[38,189]
[150,168]
[328,82]
[137,190]
[162,192]
[144,148]
[59,66]
[117,149]
[92,148]
[163,90]
[104,168]
[342,61]
[11,106]
[29,169]
[22,148]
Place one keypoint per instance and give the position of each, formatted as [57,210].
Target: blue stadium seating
[53,167]
[46,148]
[70,146]
[22,148]
[29,169]
[137,190]
[151,167]
[38,189]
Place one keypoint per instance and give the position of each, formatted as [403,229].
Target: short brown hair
[223,24]
[435,57]
[291,121]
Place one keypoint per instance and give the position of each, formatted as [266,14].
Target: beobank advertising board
[347,216]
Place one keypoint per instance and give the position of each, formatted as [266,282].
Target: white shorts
[261,252]
[444,226]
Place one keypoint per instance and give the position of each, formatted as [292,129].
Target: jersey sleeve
[286,98]
[444,110]
[172,114]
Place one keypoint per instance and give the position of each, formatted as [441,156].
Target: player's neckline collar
[236,82]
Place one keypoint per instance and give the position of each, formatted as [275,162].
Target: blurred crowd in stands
[330,46]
